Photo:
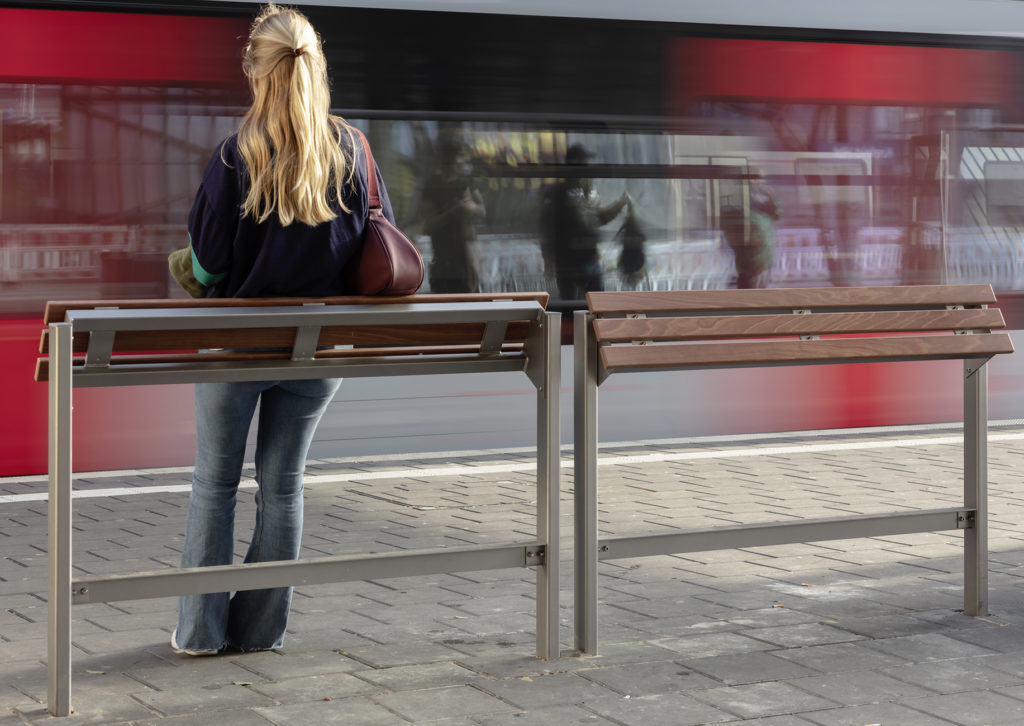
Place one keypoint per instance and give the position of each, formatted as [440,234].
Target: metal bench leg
[585,473]
[58,632]
[976,486]
[548,490]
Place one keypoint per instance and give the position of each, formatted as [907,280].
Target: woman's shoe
[182,651]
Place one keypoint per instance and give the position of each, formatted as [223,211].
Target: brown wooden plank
[817,298]
[830,350]
[56,310]
[434,333]
[624,330]
[43,364]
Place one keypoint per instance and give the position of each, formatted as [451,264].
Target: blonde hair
[289,140]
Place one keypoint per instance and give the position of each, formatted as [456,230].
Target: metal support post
[548,489]
[976,486]
[58,632]
[585,499]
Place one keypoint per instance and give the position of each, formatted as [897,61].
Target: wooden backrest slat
[623,330]
[773,299]
[43,364]
[782,352]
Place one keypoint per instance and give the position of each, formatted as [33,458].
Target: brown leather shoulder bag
[388,263]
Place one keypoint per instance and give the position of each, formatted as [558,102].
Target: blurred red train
[892,139]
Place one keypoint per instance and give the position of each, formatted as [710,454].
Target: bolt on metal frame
[539,359]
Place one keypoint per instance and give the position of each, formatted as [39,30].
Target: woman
[280,209]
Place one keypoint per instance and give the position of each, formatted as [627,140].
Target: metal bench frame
[538,357]
[724,313]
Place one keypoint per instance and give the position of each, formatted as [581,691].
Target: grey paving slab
[492,646]
[955,676]
[169,674]
[888,625]
[513,665]
[106,641]
[745,668]
[545,717]
[419,676]
[241,717]
[704,646]
[803,634]
[934,646]
[106,709]
[325,687]
[200,699]
[983,708]
[101,685]
[860,687]
[544,691]
[637,679]
[1004,639]
[771,617]
[346,711]
[621,653]
[402,653]
[12,699]
[874,714]
[321,635]
[757,700]
[439,703]
[23,653]
[12,720]
[275,665]
[776,721]
[633,627]
[1012,691]
[665,708]
[1012,664]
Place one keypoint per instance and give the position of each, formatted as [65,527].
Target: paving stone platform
[841,633]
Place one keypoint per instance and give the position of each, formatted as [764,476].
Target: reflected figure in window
[754,249]
[452,207]
[571,217]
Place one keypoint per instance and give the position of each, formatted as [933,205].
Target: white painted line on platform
[507,468]
[114,492]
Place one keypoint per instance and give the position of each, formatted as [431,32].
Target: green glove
[180,264]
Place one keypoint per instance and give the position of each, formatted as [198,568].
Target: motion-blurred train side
[891,137]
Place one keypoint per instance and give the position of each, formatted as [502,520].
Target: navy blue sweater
[237,257]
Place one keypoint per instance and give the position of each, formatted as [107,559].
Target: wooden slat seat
[139,346]
[623,332]
[890,323]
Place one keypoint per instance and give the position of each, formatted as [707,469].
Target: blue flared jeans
[289,412]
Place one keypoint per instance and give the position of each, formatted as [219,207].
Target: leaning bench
[141,342]
[624,332]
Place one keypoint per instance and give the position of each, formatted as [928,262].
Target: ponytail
[289,140]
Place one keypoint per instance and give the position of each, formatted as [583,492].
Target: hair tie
[297,52]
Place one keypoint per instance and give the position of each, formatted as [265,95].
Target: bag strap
[371,171]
